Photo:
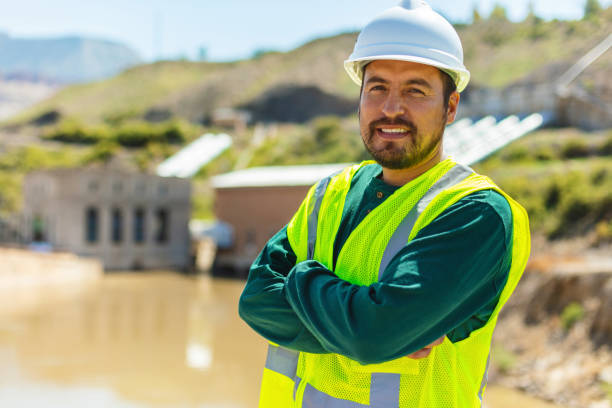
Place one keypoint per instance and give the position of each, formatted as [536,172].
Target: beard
[414,150]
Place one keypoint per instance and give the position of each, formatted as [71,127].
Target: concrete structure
[257,203]
[549,92]
[127,220]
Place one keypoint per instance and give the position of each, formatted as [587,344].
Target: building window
[91,225]
[117,225]
[139,225]
[38,229]
[162,217]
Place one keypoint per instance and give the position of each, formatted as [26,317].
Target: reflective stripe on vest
[313,217]
[398,240]
[384,393]
[485,378]
[282,360]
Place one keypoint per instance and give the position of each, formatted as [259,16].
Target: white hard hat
[411,31]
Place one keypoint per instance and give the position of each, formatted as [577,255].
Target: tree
[531,11]
[476,15]
[535,24]
[498,13]
[591,8]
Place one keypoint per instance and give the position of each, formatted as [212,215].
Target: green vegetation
[591,8]
[607,389]
[202,205]
[127,133]
[323,140]
[14,164]
[571,314]
[603,232]
[503,358]
[562,177]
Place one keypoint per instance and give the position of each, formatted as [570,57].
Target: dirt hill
[497,51]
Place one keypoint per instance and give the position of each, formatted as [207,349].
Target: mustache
[393,122]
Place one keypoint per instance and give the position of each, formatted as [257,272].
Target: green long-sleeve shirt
[446,281]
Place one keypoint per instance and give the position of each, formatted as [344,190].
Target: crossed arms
[446,281]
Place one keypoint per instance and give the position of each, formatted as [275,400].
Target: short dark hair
[448,86]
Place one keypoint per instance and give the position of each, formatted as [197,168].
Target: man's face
[402,114]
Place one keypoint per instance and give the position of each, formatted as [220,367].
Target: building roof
[277,176]
[194,156]
[466,141]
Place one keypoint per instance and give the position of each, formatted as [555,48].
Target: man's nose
[393,106]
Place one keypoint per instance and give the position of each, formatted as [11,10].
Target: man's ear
[451,110]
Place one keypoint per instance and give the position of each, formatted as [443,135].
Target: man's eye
[377,88]
[415,91]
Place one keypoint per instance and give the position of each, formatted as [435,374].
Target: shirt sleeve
[453,268]
[263,304]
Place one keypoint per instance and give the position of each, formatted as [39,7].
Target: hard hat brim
[354,67]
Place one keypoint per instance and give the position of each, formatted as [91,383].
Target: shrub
[553,195]
[575,148]
[503,358]
[599,176]
[571,314]
[71,131]
[544,153]
[128,134]
[102,152]
[603,232]
[606,147]
[516,153]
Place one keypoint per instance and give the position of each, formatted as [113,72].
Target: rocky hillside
[554,337]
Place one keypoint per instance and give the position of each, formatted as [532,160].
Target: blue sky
[230,29]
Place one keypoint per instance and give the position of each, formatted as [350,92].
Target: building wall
[518,99]
[256,214]
[61,198]
[580,110]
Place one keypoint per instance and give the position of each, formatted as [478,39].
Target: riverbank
[29,279]
[554,337]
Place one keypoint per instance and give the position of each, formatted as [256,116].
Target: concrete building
[127,220]
[256,203]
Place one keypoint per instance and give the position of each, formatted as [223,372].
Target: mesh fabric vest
[454,374]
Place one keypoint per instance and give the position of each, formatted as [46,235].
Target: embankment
[25,275]
[554,338]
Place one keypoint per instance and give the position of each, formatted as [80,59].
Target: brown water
[137,340]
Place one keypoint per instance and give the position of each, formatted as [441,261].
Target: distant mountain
[65,60]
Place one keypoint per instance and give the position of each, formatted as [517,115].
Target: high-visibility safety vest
[454,374]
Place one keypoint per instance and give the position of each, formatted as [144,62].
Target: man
[384,288]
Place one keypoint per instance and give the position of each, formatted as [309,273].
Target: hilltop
[148,112]
[498,53]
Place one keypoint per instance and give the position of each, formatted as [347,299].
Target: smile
[392,132]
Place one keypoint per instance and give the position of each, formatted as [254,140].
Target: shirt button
[379,194]
[368,211]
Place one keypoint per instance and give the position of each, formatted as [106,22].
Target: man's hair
[448,86]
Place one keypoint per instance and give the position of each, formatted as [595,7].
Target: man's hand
[424,352]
